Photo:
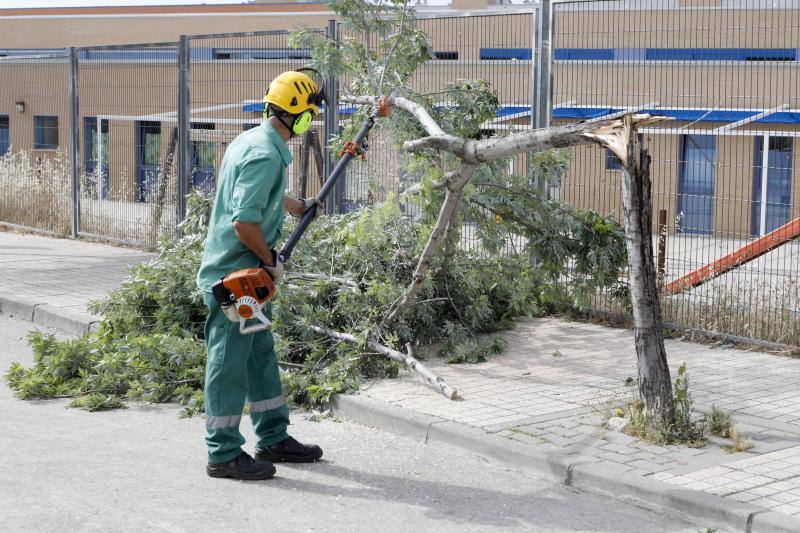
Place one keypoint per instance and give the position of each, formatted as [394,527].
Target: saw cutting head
[243,294]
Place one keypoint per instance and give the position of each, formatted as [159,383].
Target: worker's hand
[313,202]
[274,270]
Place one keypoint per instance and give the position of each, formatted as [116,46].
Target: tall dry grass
[35,190]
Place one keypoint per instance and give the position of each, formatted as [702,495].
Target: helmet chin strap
[288,127]
[270,113]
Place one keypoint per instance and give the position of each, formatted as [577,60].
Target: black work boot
[242,467]
[290,451]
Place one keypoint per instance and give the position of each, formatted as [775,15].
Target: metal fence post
[75,203]
[334,201]
[184,125]
[542,97]
[543,69]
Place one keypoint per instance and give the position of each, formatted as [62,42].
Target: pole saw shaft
[349,152]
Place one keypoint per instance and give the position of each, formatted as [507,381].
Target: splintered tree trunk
[655,388]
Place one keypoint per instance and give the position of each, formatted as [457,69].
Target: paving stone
[619,448]
[645,465]
[787,509]
[612,464]
[744,496]
[699,485]
[615,457]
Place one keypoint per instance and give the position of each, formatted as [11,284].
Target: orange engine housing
[253,282]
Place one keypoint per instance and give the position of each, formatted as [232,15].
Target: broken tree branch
[417,110]
[455,183]
[417,188]
[358,100]
[407,359]
[306,276]
[606,132]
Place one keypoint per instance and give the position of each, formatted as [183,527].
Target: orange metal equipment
[743,255]
[242,295]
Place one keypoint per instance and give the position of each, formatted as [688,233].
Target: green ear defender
[302,122]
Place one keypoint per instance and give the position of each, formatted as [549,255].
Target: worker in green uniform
[245,226]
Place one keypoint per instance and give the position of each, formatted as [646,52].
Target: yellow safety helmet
[294,92]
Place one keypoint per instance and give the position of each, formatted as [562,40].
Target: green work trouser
[240,367]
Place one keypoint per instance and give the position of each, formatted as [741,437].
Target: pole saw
[244,293]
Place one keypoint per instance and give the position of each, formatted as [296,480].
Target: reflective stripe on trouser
[238,368]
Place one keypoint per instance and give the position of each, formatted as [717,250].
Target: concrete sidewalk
[538,405]
[51,281]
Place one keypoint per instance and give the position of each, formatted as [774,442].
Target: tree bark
[451,236]
[655,387]
[417,189]
[406,359]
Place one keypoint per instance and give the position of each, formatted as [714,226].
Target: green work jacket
[250,188]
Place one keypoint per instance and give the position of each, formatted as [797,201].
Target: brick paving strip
[539,405]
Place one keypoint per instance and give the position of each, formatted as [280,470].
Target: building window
[446,56]
[721,54]
[501,54]
[583,54]
[249,126]
[95,177]
[46,134]
[148,153]
[775,201]
[612,161]
[674,54]
[696,184]
[5,140]
[203,156]
[261,53]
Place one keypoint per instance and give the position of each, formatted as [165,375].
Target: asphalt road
[143,469]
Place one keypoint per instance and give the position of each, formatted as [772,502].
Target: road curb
[48,315]
[43,314]
[16,306]
[708,509]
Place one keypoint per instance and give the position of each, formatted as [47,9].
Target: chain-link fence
[35,142]
[128,136]
[229,74]
[144,124]
[723,166]
[153,121]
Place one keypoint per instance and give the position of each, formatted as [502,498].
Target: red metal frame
[735,259]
